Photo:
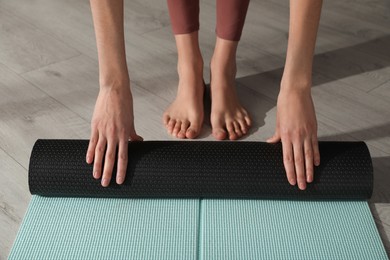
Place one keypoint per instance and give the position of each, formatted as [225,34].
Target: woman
[296,126]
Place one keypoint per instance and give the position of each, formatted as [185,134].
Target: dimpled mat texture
[198,200]
[106,228]
[201,169]
[281,229]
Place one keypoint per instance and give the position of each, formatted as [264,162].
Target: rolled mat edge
[201,169]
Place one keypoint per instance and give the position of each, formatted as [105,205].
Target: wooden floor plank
[24,47]
[14,197]
[27,114]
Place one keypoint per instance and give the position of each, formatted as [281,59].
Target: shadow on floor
[338,64]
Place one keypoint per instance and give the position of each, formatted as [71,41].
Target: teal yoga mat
[107,228]
[311,226]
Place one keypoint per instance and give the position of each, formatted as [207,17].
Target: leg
[228,117]
[231,18]
[184,117]
[296,124]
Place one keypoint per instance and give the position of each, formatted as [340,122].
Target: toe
[237,129]
[171,125]
[219,133]
[231,131]
[248,120]
[166,119]
[243,126]
[193,131]
[177,128]
[184,126]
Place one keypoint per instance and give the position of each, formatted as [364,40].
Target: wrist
[295,87]
[297,73]
[298,82]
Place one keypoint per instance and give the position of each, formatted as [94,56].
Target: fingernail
[309,179]
[292,182]
[87,159]
[302,185]
[105,182]
[95,174]
[120,180]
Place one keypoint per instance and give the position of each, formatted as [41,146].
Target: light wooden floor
[49,81]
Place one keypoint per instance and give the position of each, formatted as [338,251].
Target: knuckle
[111,130]
[100,148]
[298,159]
[110,156]
[308,153]
[94,123]
[122,132]
[284,130]
[93,140]
[123,156]
[287,158]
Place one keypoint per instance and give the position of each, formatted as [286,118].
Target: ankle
[224,69]
[190,67]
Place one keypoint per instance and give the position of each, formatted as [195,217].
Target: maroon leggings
[230,17]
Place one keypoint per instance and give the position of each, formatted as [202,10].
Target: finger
[92,146]
[299,164]
[275,138]
[309,160]
[99,152]
[134,137]
[122,161]
[109,161]
[288,161]
[316,151]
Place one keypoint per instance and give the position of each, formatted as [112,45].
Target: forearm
[304,21]
[108,23]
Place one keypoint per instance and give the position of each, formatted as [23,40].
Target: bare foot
[184,117]
[228,118]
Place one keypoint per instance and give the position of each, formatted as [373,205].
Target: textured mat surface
[99,228]
[201,169]
[104,228]
[280,229]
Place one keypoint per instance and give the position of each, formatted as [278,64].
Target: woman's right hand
[112,127]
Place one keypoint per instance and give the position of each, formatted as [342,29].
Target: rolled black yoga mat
[187,169]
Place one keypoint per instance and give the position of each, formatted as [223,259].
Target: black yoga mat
[210,169]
